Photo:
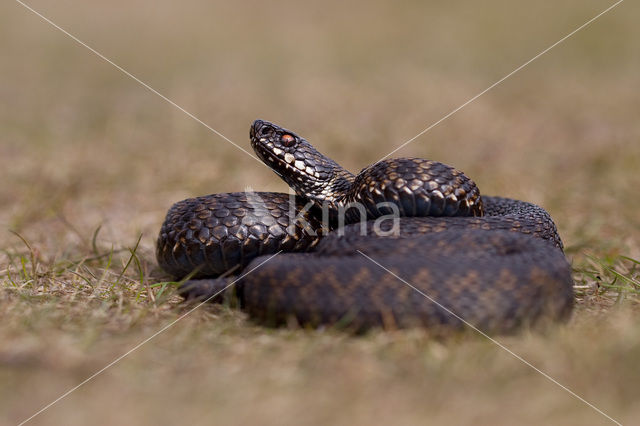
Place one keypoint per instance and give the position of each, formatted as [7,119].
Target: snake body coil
[432,252]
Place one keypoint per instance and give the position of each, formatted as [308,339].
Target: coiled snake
[431,253]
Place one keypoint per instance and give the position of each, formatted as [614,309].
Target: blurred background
[85,147]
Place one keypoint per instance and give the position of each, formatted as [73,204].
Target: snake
[407,242]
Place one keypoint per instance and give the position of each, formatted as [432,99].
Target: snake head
[306,170]
[268,139]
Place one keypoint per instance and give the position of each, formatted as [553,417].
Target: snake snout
[261,129]
[252,129]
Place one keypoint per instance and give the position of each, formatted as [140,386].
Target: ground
[92,160]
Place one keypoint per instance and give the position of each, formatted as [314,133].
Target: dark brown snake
[451,257]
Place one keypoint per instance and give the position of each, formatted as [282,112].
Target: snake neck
[307,171]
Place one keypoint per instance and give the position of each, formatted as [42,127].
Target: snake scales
[494,262]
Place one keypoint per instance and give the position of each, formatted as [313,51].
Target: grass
[92,161]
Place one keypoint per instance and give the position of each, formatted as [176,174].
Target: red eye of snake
[287,140]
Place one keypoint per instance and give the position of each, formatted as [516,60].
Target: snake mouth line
[275,163]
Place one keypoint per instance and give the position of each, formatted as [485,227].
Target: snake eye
[287,140]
